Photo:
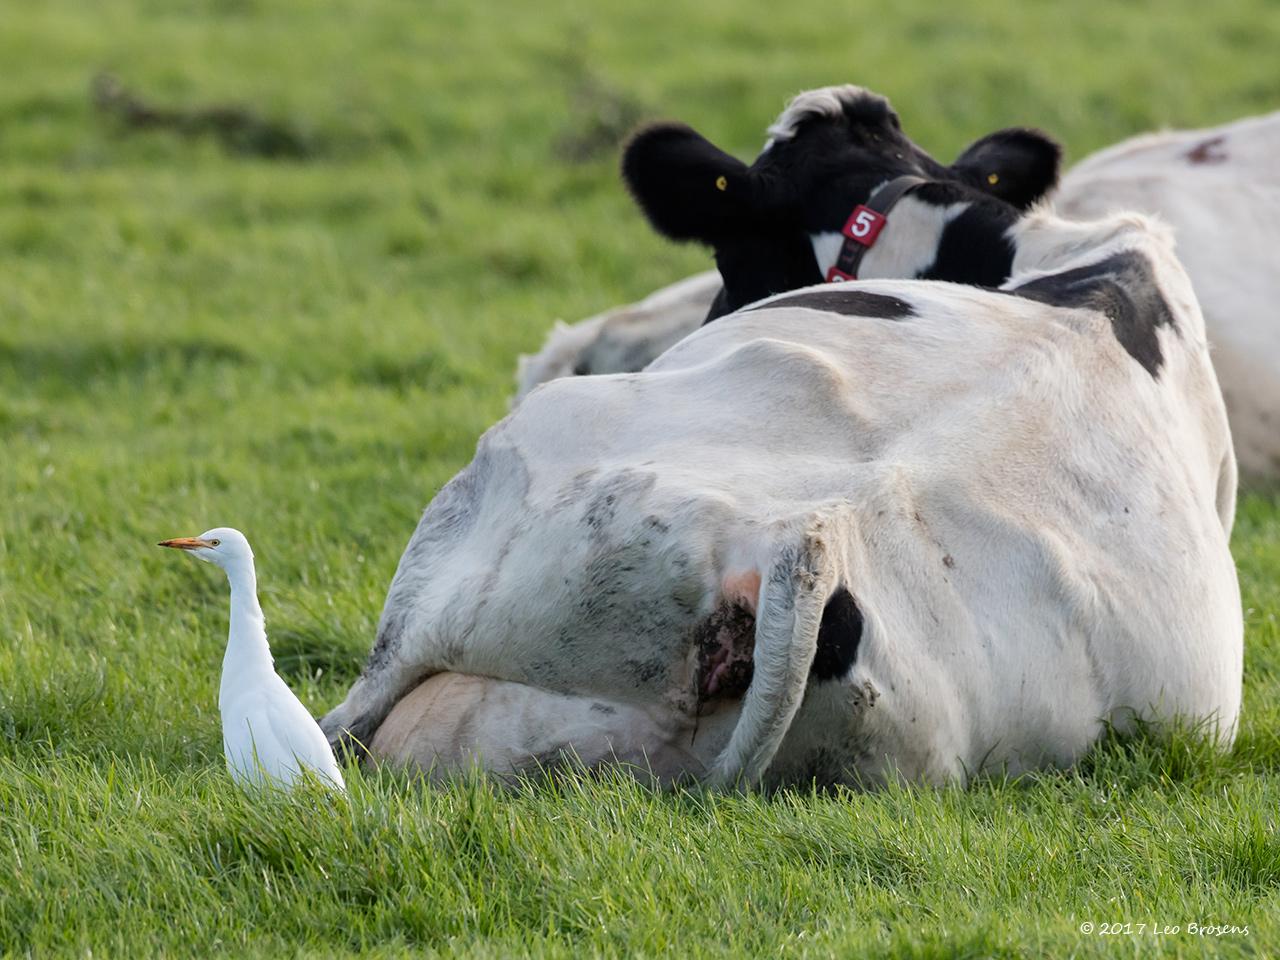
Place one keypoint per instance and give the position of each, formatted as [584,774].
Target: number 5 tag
[864,225]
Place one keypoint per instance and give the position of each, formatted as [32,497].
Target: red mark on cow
[1208,151]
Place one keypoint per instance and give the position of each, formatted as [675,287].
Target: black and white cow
[1218,188]
[777,224]
[754,221]
[851,533]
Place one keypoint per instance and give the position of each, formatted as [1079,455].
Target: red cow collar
[864,225]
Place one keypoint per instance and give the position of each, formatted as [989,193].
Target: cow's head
[829,152]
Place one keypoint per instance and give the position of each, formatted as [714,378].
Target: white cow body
[1033,527]
[1220,191]
[1218,188]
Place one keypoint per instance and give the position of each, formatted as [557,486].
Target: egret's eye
[214,542]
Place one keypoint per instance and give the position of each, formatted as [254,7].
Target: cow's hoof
[348,741]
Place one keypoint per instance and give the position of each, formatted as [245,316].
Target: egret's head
[223,546]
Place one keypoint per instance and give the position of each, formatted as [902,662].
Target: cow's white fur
[1034,528]
[1226,214]
[820,102]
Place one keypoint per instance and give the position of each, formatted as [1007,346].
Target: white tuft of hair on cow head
[828,102]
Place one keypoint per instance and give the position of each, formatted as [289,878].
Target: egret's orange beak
[185,543]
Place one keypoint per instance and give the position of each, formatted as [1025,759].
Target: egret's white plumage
[268,736]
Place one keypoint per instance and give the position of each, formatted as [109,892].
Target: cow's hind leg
[386,678]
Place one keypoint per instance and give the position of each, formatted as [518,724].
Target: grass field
[307,346]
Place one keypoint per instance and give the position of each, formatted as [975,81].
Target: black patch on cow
[1208,151]
[622,487]
[1124,289]
[645,672]
[656,523]
[838,637]
[846,301]
[974,248]
[719,306]
[763,263]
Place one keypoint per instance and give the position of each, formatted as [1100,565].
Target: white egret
[268,736]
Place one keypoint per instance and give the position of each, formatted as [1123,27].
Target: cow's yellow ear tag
[722,183]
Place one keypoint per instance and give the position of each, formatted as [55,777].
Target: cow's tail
[801,574]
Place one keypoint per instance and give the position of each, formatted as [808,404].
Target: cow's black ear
[1017,165]
[689,188]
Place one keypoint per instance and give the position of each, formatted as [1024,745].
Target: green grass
[193,335]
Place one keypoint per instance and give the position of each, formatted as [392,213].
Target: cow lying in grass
[852,533]
[622,340]
[1219,189]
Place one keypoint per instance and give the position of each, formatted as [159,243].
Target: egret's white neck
[247,648]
